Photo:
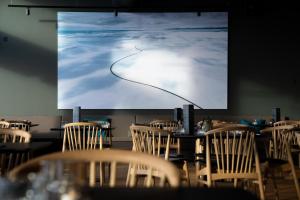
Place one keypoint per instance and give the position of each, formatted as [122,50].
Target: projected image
[142,60]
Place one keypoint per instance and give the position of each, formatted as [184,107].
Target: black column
[188,118]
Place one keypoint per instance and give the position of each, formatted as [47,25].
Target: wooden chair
[148,140]
[106,131]
[280,159]
[231,155]
[82,136]
[170,126]
[276,140]
[14,136]
[168,173]
[286,122]
[4,124]
[20,124]
[11,160]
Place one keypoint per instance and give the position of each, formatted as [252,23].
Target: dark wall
[263,59]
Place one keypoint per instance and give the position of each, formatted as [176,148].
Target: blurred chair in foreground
[83,162]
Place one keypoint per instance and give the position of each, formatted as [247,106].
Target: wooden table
[18,190]
[14,154]
[23,147]
[23,121]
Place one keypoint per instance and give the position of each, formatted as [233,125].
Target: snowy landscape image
[142,60]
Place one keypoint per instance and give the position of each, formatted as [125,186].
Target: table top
[188,136]
[166,193]
[23,121]
[23,147]
[15,190]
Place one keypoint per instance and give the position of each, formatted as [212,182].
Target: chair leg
[128,175]
[186,171]
[101,174]
[235,181]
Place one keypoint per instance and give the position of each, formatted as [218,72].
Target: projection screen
[142,60]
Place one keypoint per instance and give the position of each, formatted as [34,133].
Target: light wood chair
[149,140]
[82,136]
[286,122]
[106,131]
[20,124]
[14,136]
[276,141]
[169,126]
[280,163]
[4,124]
[156,167]
[231,155]
[8,161]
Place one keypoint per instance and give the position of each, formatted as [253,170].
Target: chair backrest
[14,136]
[168,173]
[286,122]
[148,140]
[234,151]
[4,124]
[165,124]
[82,136]
[19,124]
[106,131]
[281,135]
[168,125]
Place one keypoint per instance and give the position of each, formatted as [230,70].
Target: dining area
[138,99]
[225,161]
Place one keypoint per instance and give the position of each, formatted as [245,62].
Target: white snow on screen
[142,60]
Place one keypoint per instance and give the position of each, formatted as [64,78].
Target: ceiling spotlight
[27,11]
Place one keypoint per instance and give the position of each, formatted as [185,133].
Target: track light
[27,11]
